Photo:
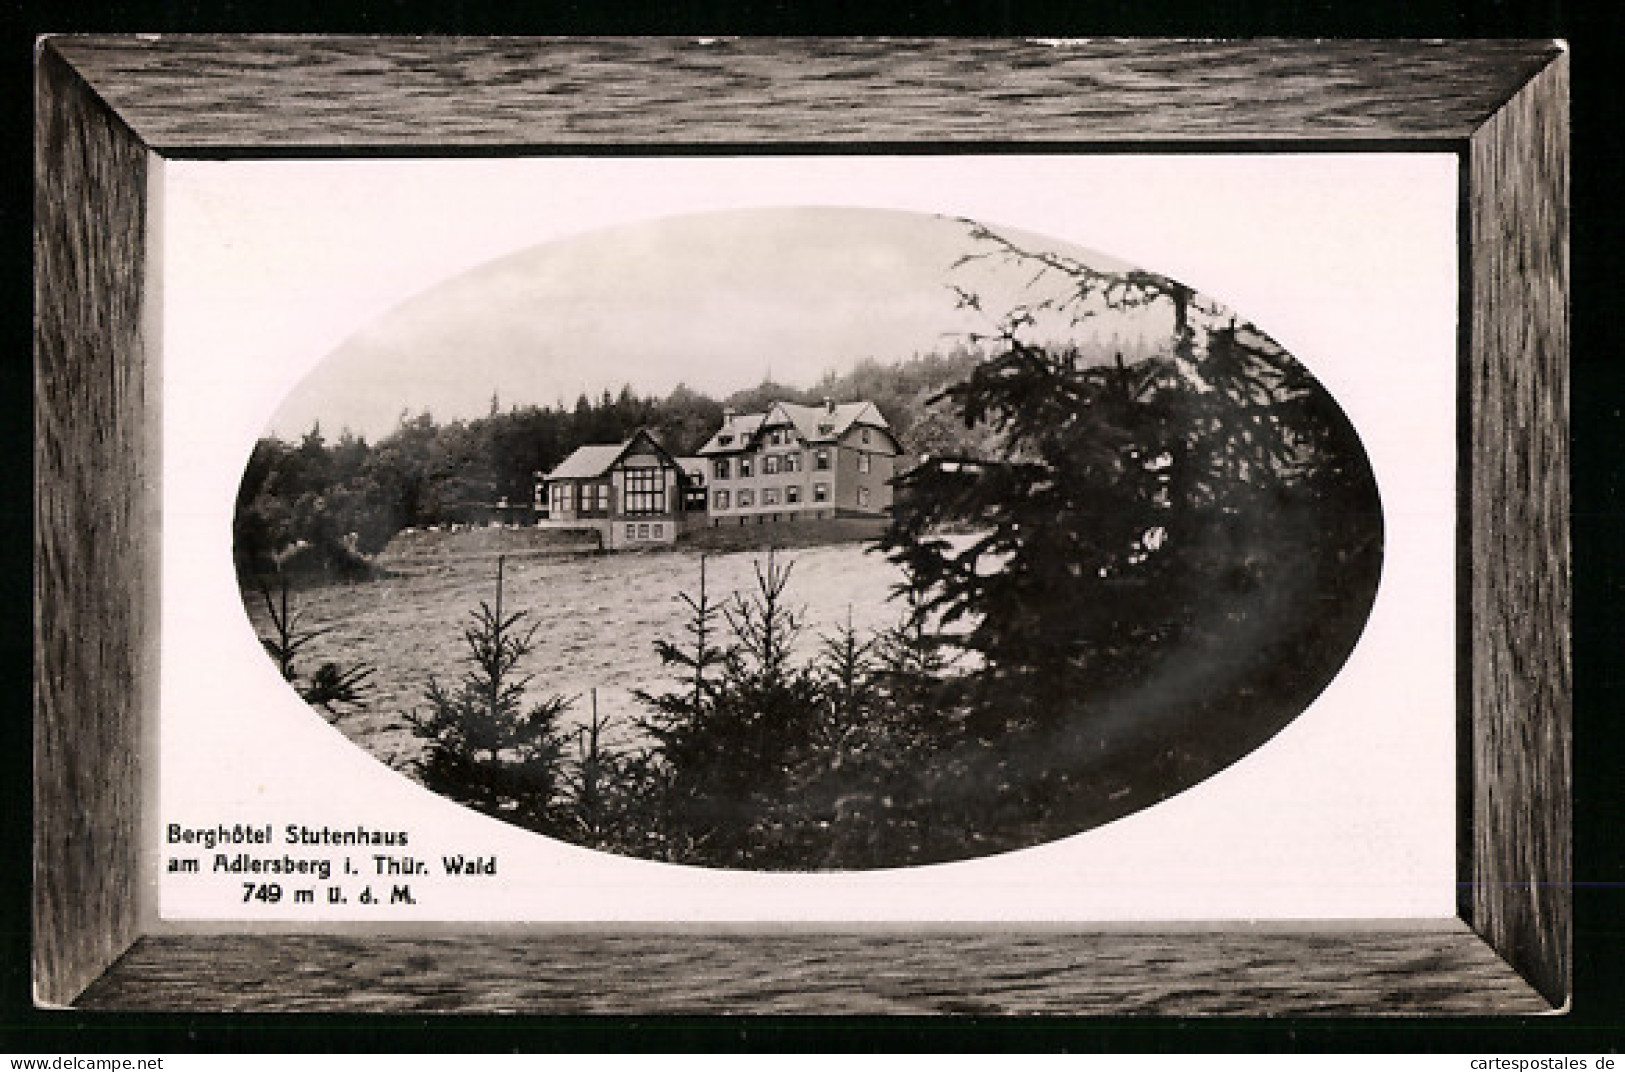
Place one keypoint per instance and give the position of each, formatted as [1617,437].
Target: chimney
[727,415]
[829,404]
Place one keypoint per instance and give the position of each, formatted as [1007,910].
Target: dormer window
[825,428]
[865,436]
[724,439]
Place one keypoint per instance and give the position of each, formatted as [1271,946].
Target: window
[658,530]
[747,498]
[600,493]
[643,530]
[820,493]
[770,464]
[719,468]
[865,434]
[721,498]
[821,458]
[792,494]
[631,532]
[775,438]
[746,468]
[792,461]
[863,462]
[863,496]
[724,440]
[561,497]
[770,496]
[645,491]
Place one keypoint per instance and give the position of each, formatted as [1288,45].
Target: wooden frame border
[106,108]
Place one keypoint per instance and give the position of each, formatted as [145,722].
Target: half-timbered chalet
[633,493]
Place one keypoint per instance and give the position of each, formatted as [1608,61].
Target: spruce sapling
[333,685]
[484,748]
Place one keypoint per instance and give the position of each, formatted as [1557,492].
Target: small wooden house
[632,493]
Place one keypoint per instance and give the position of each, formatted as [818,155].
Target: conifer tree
[1127,498]
[334,687]
[611,792]
[483,746]
[845,665]
[700,663]
[727,744]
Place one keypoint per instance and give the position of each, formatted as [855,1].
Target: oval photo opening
[809,539]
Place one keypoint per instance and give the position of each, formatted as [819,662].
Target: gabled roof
[589,461]
[814,424]
[596,459]
[739,428]
[819,424]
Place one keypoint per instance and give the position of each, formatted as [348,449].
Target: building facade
[632,493]
[794,462]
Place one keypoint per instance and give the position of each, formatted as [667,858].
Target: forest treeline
[323,487]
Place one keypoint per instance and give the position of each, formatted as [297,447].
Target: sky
[716,301]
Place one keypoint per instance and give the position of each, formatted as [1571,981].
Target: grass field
[597,617]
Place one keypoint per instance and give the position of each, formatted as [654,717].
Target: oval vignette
[809,538]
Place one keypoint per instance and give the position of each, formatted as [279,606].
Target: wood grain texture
[95,476]
[1520,897]
[186,94]
[1157,973]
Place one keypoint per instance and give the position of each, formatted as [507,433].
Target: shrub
[334,687]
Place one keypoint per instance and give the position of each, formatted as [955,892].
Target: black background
[1596,34]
